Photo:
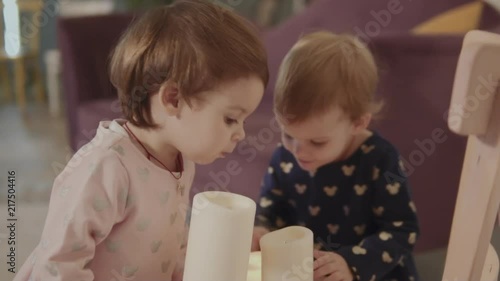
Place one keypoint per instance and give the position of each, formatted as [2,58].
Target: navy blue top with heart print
[360,208]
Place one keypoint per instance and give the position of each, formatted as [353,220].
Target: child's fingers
[258,232]
[324,271]
[329,266]
[336,276]
[318,253]
[322,260]
[255,245]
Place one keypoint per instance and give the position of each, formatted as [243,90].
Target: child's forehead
[319,119]
[317,125]
[240,95]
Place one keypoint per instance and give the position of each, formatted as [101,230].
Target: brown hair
[194,43]
[323,70]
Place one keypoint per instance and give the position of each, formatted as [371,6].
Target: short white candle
[287,254]
[220,237]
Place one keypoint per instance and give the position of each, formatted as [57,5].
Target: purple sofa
[416,81]
[85,44]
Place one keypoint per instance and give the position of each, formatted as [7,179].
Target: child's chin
[205,160]
[307,166]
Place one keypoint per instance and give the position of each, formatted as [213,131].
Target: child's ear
[170,98]
[363,122]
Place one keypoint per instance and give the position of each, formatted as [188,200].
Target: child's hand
[330,266]
[258,232]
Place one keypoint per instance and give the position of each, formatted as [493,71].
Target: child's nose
[240,135]
[297,148]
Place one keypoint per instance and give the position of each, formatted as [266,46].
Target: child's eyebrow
[321,138]
[237,107]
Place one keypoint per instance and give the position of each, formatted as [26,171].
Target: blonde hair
[323,70]
[194,43]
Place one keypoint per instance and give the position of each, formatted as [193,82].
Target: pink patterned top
[113,216]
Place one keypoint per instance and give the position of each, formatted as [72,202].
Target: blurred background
[54,90]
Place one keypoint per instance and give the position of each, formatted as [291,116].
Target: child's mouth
[304,162]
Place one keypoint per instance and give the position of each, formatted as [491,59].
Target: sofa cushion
[490,17]
[456,20]
[476,15]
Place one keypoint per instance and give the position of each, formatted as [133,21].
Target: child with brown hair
[332,174]
[187,76]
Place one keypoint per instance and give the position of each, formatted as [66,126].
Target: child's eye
[318,144]
[287,136]
[230,121]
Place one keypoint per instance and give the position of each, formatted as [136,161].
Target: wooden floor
[35,145]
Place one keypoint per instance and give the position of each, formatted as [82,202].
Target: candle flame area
[255,267]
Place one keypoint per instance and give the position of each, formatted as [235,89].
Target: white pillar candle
[287,254]
[220,237]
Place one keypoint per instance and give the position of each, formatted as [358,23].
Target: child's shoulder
[381,145]
[281,154]
[110,139]
[378,148]
[108,146]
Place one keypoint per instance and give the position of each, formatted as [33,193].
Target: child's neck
[357,141]
[156,146]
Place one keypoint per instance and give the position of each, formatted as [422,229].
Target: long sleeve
[273,209]
[85,205]
[396,219]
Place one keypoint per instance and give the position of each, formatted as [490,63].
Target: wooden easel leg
[476,93]
[470,235]
[477,204]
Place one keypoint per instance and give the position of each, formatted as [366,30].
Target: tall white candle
[220,237]
[287,254]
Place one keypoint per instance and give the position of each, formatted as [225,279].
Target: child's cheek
[287,144]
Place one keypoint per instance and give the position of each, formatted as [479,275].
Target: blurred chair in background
[52,57]
[20,46]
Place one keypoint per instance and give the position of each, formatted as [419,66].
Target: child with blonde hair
[187,76]
[332,174]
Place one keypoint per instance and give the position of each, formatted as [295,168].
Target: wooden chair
[19,50]
[475,112]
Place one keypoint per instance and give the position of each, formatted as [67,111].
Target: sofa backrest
[367,19]
[417,75]
[85,44]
